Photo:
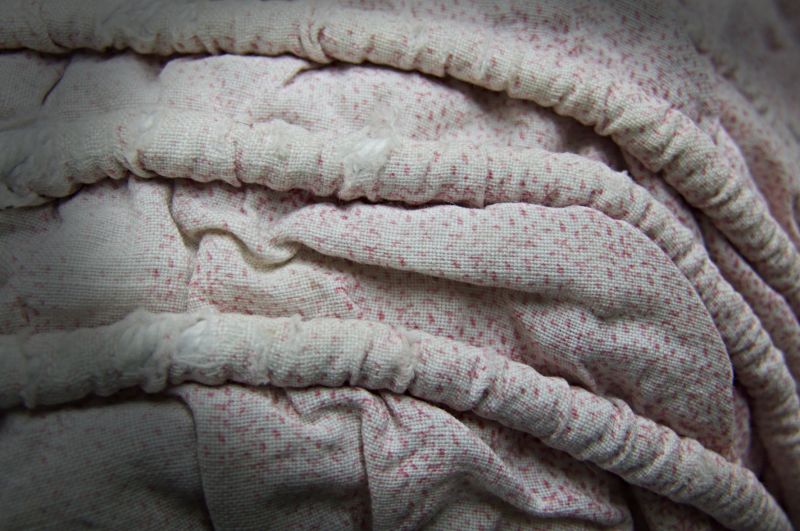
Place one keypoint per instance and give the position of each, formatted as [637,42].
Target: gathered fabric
[445,264]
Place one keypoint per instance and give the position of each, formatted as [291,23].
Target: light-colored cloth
[394,265]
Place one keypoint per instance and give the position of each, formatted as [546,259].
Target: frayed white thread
[190,353]
[146,348]
[364,154]
[143,351]
[407,362]
[277,143]
[138,337]
[189,346]
[417,40]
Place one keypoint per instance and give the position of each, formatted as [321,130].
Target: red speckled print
[446,264]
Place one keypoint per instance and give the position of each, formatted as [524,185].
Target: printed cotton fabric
[446,264]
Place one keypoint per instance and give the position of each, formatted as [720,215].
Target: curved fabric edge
[673,143]
[154,350]
[376,165]
[662,138]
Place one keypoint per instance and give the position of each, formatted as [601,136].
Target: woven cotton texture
[388,265]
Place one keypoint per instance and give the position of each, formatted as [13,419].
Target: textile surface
[445,264]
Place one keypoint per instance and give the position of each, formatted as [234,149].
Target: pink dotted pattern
[563,235]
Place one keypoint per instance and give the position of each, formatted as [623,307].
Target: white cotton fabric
[394,266]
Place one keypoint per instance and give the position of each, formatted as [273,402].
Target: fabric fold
[154,350]
[439,225]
